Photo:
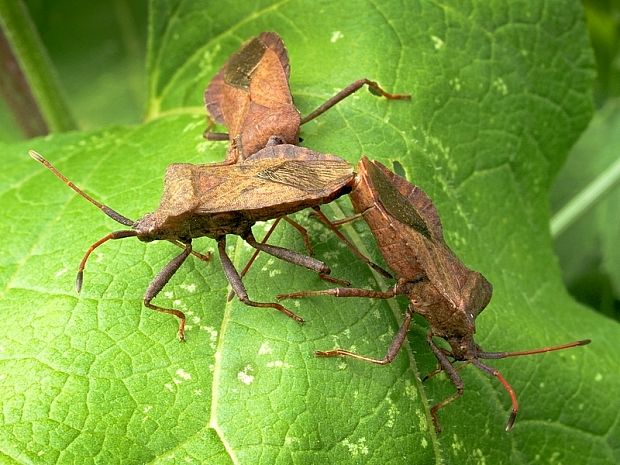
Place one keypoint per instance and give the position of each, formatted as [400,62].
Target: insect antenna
[113,235]
[511,392]
[542,350]
[493,372]
[104,208]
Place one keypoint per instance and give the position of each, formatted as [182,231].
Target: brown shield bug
[250,95]
[437,284]
[213,201]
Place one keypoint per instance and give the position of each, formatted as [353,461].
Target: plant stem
[588,197]
[30,84]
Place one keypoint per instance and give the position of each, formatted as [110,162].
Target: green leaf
[588,249]
[500,94]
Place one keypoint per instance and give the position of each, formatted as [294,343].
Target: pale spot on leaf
[244,375]
[392,412]
[500,86]
[437,42]
[410,391]
[212,335]
[479,457]
[59,273]
[278,364]
[191,288]
[457,444]
[275,272]
[336,36]
[422,421]
[356,448]
[264,349]
[181,373]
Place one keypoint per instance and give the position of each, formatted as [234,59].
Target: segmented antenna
[104,208]
[493,372]
[113,235]
[109,212]
[542,350]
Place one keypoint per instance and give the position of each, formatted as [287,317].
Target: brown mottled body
[250,95]
[205,200]
[437,284]
[213,201]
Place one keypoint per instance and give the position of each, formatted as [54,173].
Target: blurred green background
[588,249]
[98,48]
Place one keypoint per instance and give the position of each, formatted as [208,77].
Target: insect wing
[266,187]
[237,71]
[274,42]
[242,64]
[310,176]
[394,202]
[417,199]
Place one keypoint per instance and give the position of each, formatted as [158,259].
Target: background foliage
[501,92]
[588,250]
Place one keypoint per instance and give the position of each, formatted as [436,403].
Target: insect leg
[297,259]
[325,220]
[158,284]
[235,281]
[373,87]
[348,219]
[289,256]
[341,292]
[456,379]
[295,225]
[215,136]
[439,368]
[204,257]
[234,149]
[247,266]
[395,346]
[302,232]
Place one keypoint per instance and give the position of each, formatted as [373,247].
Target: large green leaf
[588,250]
[500,94]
